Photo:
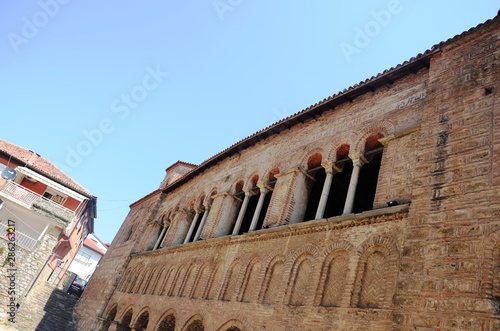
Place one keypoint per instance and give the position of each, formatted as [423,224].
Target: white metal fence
[22,239]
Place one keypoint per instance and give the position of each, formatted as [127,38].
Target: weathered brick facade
[406,236]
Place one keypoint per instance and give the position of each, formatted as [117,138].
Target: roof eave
[370,85]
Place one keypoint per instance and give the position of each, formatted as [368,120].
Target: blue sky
[114,92]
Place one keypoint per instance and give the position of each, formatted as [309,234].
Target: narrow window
[368,176]
[340,183]
[314,185]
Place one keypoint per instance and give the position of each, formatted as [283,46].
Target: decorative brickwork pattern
[422,254]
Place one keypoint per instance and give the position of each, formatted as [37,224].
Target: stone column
[161,236]
[202,223]
[258,208]
[241,214]
[191,227]
[330,169]
[357,161]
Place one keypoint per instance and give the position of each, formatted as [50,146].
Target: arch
[126,280]
[167,282]
[376,273]
[188,282]
[124,324]
[250,280]
[110,317]
[141,323]
[253,180]
[210,198]
[167,322]
[335,144]
[229,288]
[271,175]
[232,325]
[137,273]
[177,281]
[214,283]
[311,157]
[273,280]
[146,279]
[299,281]
[333,278]
[238,187]
[342,152]
[195,323]
[385,128]
[314,161]
[201,284]
[111,314]
[491,270]
[153,281]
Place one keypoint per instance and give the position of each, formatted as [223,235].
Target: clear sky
[114,92]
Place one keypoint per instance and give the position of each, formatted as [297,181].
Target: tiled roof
[41,165]
[179,162]
[89,243]
[347,95]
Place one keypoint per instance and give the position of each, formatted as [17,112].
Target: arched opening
[340,182]
[233,328]
[142,322]
[271,182]
[252,204]
[239,195]
[124,325]
[167,323]
[162,231]
[196,325]
[314,185]
[368,176]
[197,220]
[109,318]
[495,293]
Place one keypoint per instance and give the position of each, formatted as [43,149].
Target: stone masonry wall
[432,263]
[23,270]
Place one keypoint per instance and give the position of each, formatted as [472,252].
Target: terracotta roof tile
[401,70]
[40,164]
[93,246]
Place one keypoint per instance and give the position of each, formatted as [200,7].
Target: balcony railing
[36,202]
[22,239]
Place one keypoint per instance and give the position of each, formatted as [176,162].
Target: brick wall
[431,263]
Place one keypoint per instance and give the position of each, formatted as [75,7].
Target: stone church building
[377,208]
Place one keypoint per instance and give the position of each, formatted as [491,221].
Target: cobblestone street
[50,309]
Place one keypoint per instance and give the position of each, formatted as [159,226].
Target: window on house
[82,257]
[53,196]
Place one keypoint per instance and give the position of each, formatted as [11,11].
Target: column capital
[358,159]
[330,167]
[286,172]
[221,194]
[248,192]
[264,188]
